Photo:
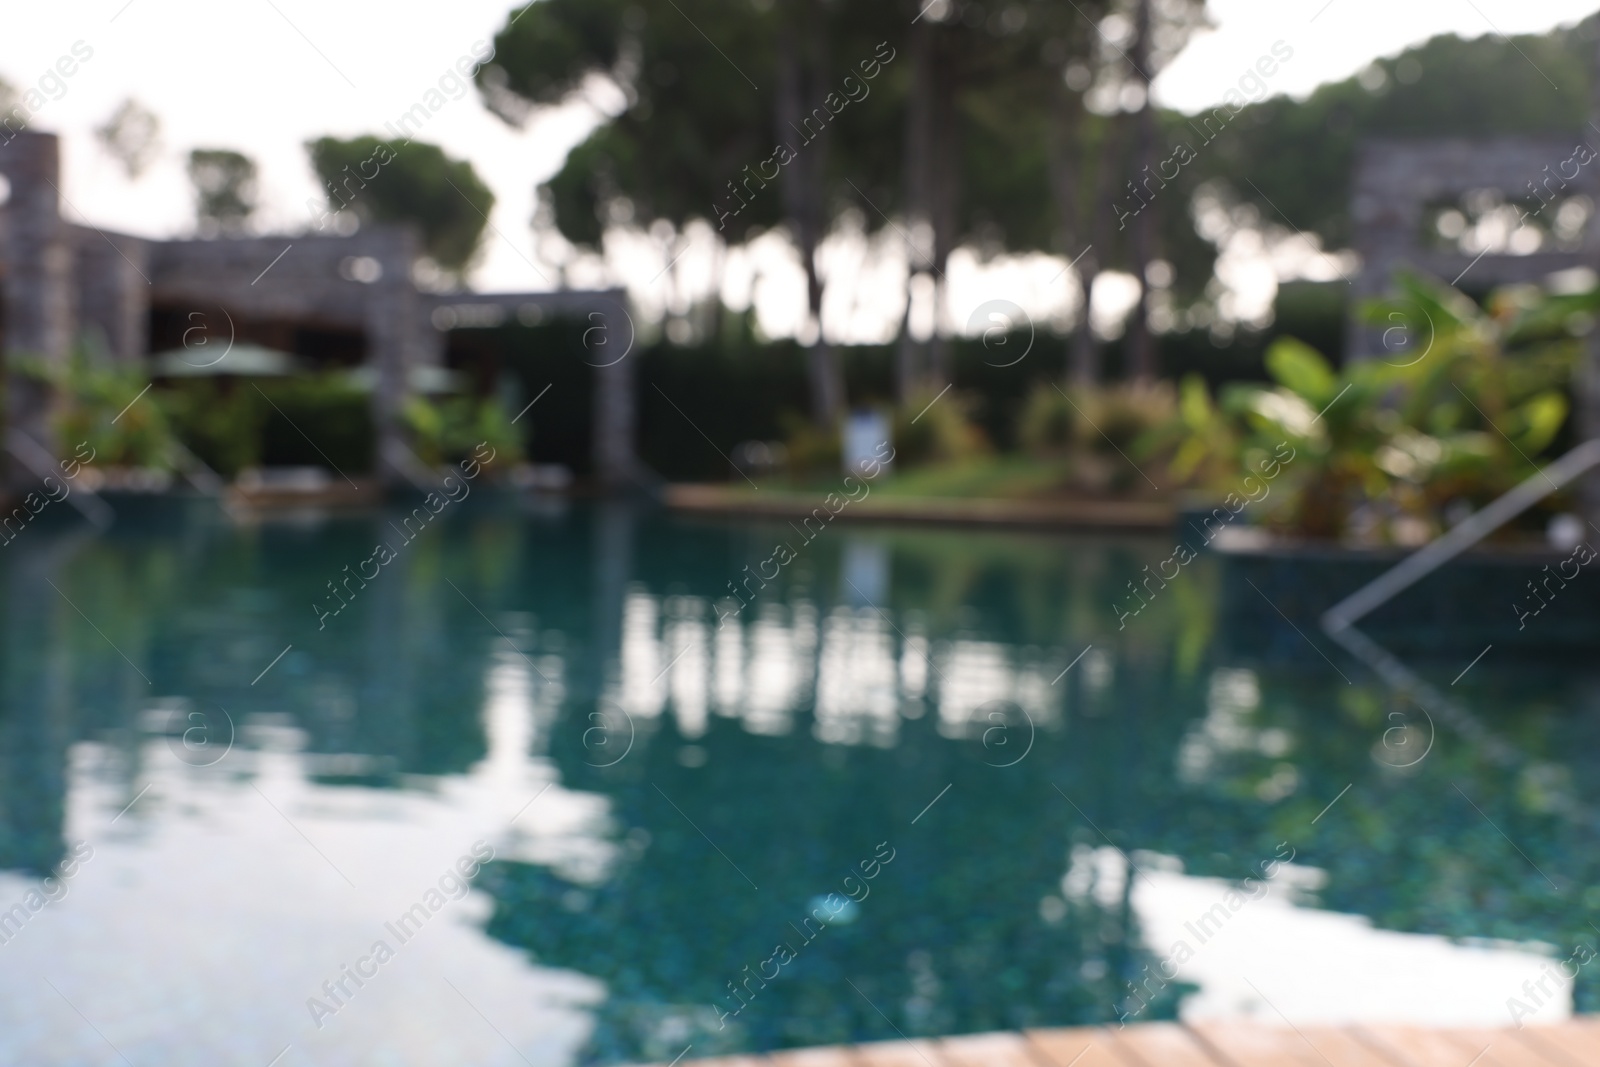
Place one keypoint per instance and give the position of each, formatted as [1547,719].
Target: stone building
[350,298]
[1400,186]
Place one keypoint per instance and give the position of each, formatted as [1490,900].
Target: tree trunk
[1109,158]
[799,78]
[910,370]
[945,186]
[1068,159]
[1084,368]
[1141,346]
[907,358]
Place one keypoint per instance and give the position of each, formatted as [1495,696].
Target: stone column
[607,348]
[614,426]
[1385,217]
[38,305]
[113,288]
[391,319]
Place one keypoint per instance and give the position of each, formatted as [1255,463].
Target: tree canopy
[132,136]
[407,181]
[1003,128]
[225,190]
[1299,154]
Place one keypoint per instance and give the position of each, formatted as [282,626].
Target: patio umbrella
[244,361]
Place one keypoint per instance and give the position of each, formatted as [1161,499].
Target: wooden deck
[1230,1044]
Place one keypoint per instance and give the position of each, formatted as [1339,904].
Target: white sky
[247,74]
[1333,39]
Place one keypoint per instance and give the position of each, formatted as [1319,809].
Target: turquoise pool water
[912,782]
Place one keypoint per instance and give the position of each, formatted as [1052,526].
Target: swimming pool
[712,796]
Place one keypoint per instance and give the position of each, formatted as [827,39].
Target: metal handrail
[1459,538]
[406,463]
[195,470]
[34,456]
[1338,622]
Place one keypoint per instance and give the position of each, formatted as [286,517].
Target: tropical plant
[449,430]
[103,403]
[1385,449]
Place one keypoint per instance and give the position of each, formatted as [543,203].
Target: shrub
[318,420]
[218,419]
[1049,425]
[1097,430]
[1100,419]
[812,450]
[1116,419]
[930,429]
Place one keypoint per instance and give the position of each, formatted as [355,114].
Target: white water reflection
[177,959]
[859,668]
[1278,954]
[975,673]
[858,692]
[777,678]
[1275,956]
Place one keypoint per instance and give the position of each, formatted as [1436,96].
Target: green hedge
[236,423]
[732,389]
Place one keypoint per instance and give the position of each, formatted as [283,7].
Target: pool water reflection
[921,783]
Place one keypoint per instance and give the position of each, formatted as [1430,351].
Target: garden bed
[1061,513]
